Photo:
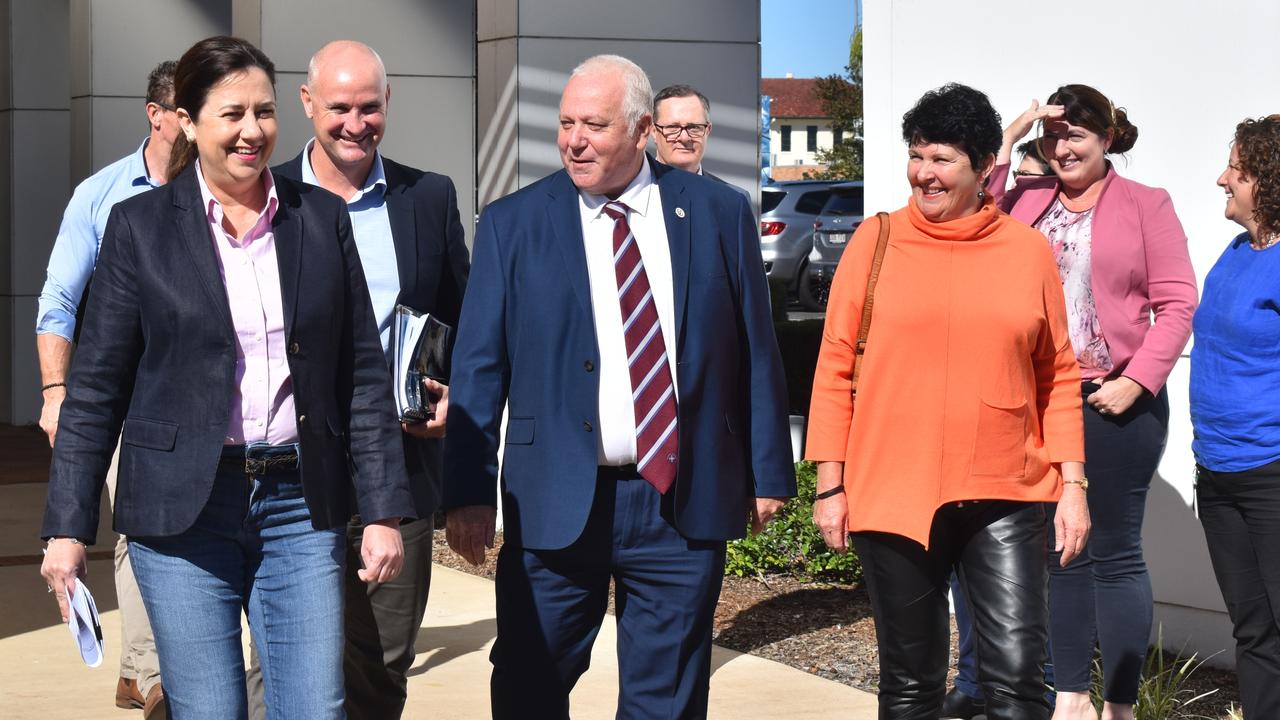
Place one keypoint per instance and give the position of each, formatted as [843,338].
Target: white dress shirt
[616,434]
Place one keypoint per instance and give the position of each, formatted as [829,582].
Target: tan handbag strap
[872,278]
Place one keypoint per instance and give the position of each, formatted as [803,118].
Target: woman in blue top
[1235,385]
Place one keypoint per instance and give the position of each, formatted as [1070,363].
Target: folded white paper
[83,622]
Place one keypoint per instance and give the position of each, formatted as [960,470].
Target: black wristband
[52,385]
[831,493]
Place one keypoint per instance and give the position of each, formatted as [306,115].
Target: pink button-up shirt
[262,406]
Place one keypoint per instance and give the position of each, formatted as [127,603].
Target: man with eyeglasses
[71,263]
[682,119]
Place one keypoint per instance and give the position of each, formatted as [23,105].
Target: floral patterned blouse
[1070,235]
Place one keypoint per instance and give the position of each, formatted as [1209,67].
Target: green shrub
[791,544]
[1163,692]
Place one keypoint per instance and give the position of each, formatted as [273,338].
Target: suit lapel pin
[679,212]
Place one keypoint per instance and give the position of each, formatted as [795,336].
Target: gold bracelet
[1082,482]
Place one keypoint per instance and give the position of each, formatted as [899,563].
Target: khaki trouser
[138,658]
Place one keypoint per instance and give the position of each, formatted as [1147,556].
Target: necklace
[1266,242]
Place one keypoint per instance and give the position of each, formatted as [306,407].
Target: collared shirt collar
[213,208]
[635,196]
[138,171]
[377,180]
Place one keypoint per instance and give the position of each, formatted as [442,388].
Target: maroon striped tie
[653,393]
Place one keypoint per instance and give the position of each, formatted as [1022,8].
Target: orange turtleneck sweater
[969,389]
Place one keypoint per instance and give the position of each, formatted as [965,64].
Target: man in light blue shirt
[410,239]
[75,252]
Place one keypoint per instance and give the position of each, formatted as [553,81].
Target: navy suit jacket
[433,262]
[158,354]
[527,338]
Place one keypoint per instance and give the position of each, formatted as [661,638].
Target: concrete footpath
[41,675]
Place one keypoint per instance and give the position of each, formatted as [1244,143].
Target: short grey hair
[637,95]
[313,67]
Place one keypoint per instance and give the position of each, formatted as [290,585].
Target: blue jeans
[252,549]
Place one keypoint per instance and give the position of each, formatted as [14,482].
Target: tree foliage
[841,97]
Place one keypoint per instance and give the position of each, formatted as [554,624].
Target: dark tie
[652,391]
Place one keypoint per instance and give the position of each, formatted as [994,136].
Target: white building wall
[799,153]
[1187,72]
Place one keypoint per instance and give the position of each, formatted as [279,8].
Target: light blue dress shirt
[372,229]
[75,251]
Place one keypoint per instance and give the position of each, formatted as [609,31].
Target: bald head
[346,98]
[341,55]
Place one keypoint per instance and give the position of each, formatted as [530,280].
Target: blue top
[75,251]
[371,227]
[1235,362]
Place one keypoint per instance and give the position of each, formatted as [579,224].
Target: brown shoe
[127,694]
[156,707]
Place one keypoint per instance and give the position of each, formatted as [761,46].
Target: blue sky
[808,38]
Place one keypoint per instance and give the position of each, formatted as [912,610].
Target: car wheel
[811,291]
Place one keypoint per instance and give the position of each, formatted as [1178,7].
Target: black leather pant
[998,551]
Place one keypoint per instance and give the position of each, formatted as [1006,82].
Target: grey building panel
[496,126]
[414,37]
[701,21]
[497,19]
[12,342]
[24,365]
[41,161]
[119,124]
[130,37]
[41,60]
[81,140]
[6,210]
[6,64]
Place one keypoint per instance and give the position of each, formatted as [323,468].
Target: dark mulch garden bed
[826,629]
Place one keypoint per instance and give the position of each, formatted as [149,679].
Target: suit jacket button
[302,419]
[588,366]
[586,426]
[293,348]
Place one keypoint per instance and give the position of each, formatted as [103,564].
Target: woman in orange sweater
[967,420]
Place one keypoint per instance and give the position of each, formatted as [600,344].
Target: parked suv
[787,211]
[832,230]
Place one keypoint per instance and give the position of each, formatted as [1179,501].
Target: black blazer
[157,355]
[432,257]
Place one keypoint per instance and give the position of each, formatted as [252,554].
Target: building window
[812,142]
[839,137]
[786,138]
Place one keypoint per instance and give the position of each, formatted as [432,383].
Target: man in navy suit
[413,251]
[618,308]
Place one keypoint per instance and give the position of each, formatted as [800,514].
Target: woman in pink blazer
[1131,293]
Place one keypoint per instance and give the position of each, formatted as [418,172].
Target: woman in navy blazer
[256,416]
[1123,259]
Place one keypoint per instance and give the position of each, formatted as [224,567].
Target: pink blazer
[1140,266]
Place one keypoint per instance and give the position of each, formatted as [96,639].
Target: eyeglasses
[672,132]
[165,105]
[1028,173]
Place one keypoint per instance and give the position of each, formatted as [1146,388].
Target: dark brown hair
[1258,146]
[199,69]
[1087,107]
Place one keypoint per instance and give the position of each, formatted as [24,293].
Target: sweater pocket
[1000,442]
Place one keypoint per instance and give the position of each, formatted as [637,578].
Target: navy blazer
[433,263]
[158,355]
[527,339]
